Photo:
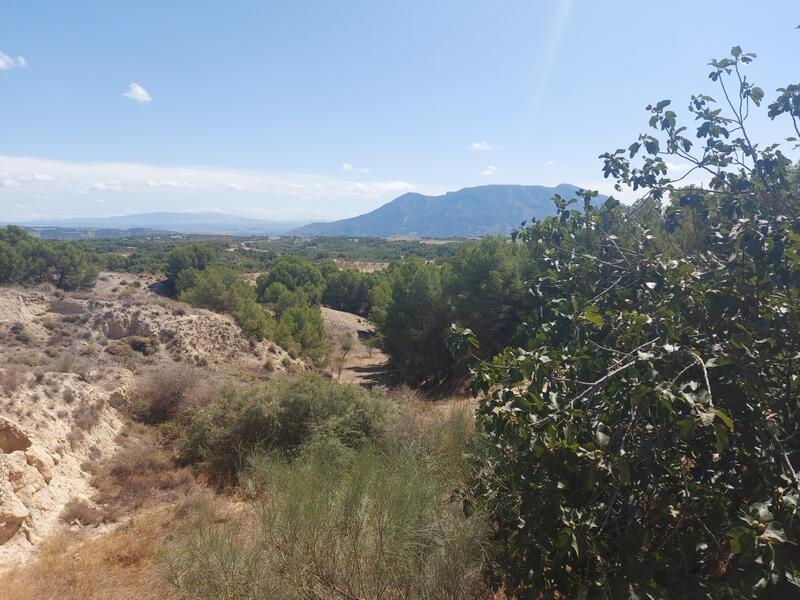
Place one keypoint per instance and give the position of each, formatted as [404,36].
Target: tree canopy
[642,439]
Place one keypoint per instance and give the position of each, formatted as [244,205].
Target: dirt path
[362,365]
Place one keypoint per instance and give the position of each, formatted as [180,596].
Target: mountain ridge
[474,211]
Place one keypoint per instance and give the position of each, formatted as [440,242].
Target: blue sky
[322,109]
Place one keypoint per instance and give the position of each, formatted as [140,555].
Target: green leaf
[592,314]
[724,418]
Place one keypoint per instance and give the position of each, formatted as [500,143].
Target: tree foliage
[27,260]
[643,439]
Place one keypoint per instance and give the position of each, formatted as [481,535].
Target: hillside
[477,211]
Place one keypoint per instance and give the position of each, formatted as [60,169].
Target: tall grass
[368,523]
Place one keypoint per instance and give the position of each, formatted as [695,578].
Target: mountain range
[211,223]
[476,211]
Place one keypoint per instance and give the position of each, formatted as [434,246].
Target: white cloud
[104,186]
[676,166]
[490,170]
[132,188]
[167,183]
[137,93]
[7,182]
[348,168]
[482,146]
[386,187]
[9,62]
[550,163]
[43,177]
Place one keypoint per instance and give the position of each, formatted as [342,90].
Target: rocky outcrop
[12,438]
[13,513]
[50,427]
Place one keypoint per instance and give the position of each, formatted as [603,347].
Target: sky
[321,109]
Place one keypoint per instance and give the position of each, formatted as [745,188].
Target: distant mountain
[198,223]
[477,211]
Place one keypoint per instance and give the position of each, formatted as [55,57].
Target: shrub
[143,345]
[64,364]
[255,322]
[371,525]
[169,392]
[78,510]
[138,471]
[644,442]
[87,414]
[218,288]
[119,350]
[282,416]
[10,379]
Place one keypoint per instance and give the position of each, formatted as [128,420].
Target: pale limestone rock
[37,457]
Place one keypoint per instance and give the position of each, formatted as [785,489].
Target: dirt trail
[363,365]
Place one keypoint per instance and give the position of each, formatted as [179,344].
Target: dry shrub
[64,364]
[10,379]
[138,472]
[87,414]
[172,392]
[68,395]
[29,359]
[120,350]
[78,510]
[143,345]
[119,565]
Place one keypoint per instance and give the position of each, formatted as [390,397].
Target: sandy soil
[362,365]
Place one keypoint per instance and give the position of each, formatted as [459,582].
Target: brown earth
[362,365]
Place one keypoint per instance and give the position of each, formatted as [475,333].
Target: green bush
[218,288]
[283,416]
[645,440]
[370,525]
[294,274]
[301,329]
[187,257]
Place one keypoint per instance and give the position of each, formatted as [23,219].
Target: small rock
[44,463]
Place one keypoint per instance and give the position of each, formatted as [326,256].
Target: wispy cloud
[137,93]
[676,167]
[348,168]
[482,146]
[105,186]
[28,187]
[10,62]
[562,12]
[490,170]
[168,183]
[550,163]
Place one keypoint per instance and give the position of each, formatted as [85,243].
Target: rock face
[12,437]
[13,513]
[50,426]
[112,330]
[54,422]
